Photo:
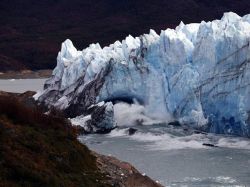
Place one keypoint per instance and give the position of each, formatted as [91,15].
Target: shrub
[42,150]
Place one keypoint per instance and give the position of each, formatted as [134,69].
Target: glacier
[197,74]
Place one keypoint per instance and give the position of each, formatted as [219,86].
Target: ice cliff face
[197,74]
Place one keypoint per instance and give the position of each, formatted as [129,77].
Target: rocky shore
[123,174]
[45,151]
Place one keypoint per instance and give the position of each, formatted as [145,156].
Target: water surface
[21,85]
[178,159]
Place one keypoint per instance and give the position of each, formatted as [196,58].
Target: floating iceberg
[197,74]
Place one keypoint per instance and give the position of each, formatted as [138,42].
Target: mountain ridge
[34,30]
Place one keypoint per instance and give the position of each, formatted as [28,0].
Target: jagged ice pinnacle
[197,74]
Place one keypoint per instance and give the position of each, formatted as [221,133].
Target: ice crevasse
[197,74]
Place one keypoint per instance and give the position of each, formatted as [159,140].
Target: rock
[132,131]
[175,123]
[199,132]
[102,118]
[99,119]
[123,174]
[209,145]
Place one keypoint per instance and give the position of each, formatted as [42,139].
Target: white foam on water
[236,143]
[169,142]
[117,133]
[222,181]
[209,166]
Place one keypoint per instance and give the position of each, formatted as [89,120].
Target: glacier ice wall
[197,74]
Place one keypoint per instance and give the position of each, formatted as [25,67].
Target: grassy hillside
[31,31]
[42,150]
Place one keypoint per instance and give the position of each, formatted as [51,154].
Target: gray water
[21,85]
[177,159]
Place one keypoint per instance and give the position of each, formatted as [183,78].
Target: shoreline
[123,173]
[118,173]
[26,74]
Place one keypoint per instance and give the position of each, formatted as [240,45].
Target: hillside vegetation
[42,150]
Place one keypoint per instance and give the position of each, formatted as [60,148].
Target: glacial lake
[179,160]
[167,154]
[21,85]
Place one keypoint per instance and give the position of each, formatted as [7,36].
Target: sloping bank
[42,150]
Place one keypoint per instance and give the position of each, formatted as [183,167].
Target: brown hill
[43,150]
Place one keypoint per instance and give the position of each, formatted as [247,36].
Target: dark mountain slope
[31,31]
[43,150]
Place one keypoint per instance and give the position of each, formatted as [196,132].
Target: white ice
[196,73]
